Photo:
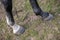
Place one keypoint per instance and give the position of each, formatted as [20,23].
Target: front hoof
[18,29]
[48,18]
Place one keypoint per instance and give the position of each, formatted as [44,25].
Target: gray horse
[10,20]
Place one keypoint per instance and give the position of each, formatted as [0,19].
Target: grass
[36,28]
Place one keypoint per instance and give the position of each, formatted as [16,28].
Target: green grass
[36,28]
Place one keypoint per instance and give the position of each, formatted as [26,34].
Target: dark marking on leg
[8,7]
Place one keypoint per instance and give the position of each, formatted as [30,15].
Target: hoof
[48,18]
[18,29]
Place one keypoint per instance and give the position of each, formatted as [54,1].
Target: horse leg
[9,17]
[38,11]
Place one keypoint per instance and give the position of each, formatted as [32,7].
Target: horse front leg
[38,11]
[9,17]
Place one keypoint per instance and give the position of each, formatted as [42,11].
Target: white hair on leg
[16,28]
[8,21]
